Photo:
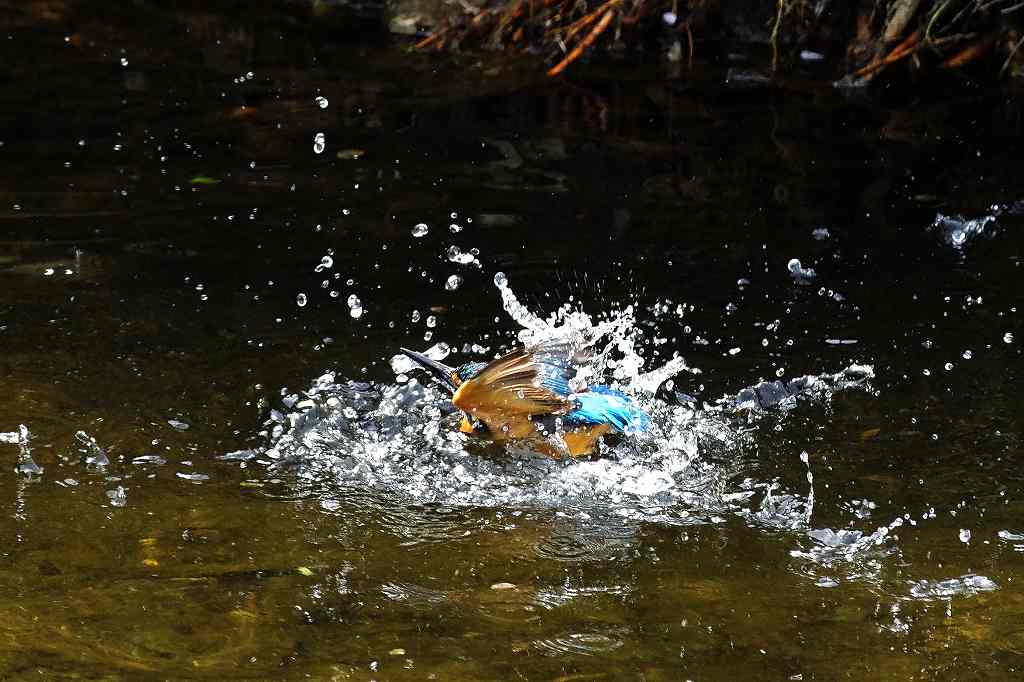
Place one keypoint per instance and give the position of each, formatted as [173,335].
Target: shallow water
[235,484]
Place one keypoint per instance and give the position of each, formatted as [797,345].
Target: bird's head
[450,377]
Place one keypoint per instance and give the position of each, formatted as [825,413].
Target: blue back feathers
[469,370]
[603,405]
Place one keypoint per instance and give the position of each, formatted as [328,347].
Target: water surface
[165,209]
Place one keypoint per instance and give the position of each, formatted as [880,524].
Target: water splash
[95,457]
[943,590]
[402,441]
[957,231]
[397,446]
[26,466]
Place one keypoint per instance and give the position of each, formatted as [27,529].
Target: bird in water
[521,395]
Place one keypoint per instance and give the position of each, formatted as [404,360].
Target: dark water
[162,208]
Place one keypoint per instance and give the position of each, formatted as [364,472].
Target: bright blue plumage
[603,405]
[469,370]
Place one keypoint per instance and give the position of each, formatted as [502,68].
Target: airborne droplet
[355,307]
[326,263]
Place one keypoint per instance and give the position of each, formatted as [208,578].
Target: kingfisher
[520,396]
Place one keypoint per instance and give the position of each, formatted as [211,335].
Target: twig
[779,10]
[968,54]
[580,24]
[1009,59]
[432,38]
[935,17]
[689,42]
[606,20]
[907,47]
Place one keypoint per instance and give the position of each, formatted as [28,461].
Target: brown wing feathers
[510,384]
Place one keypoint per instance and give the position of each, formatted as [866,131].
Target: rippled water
[217,236]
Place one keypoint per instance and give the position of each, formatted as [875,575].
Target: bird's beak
[441,372]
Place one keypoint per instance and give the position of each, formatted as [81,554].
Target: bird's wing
[556,363]
[529,381]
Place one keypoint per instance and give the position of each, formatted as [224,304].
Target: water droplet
[319,143]
[456,255]
[48,271]
[780,371]
[500,280]
[355,307]
[431,321]
[322,102]
[1008,337]
[420,230]
[118,497]
[325,264]
[415,317]
[124,61]
[968,354]
[926,372]
[799,272]
[455,228]
[453,283]
[300,300]
[965,535]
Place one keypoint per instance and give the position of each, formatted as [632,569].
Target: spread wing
[528,381]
